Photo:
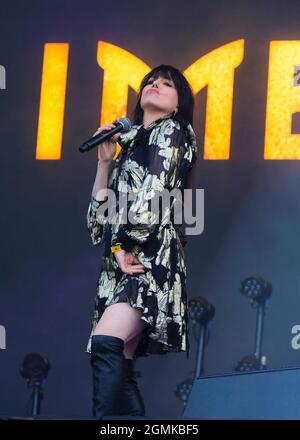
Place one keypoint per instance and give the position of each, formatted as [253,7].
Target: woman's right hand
[108,148]
[128,263]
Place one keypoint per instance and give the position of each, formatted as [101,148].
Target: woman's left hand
[128,263]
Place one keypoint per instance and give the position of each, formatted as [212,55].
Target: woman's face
[160,95]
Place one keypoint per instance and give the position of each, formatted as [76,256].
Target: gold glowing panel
[216,71]
[121,69]
[282,101]
[52,101]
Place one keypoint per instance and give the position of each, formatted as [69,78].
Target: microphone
[122,125]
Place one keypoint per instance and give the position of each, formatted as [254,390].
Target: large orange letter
[216,70]
[121,69]
[283,100]
[52,101]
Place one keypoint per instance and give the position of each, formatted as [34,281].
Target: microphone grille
[126,124]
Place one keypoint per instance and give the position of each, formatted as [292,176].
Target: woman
[141,303]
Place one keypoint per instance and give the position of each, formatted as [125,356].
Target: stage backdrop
[67,67]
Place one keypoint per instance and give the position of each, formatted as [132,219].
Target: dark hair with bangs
[185,96]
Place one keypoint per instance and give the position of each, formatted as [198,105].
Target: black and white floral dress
[152,159]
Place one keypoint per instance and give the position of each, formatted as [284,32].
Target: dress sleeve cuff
[126,243]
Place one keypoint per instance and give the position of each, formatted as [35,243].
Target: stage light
[258,291]
[35,369]
[251,363]
[200,311]
[256,288]
[183,390]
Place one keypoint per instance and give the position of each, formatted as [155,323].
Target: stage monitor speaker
[268,394]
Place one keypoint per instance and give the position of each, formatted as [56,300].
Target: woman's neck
[149,118]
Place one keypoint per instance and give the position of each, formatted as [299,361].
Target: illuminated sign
[215,70]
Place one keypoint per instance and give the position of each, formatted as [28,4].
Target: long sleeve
[97,213]
[96,223]
[167,157]
[96,217]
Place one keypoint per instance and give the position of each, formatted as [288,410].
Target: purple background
[49,268]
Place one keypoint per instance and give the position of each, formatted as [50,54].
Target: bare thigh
[123,321]
[131,346]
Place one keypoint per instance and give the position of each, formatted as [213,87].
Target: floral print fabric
[152,160]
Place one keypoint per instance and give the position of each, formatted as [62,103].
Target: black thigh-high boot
[131,403]
[107,361]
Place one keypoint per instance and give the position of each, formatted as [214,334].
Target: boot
[107,361]
[131,402]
